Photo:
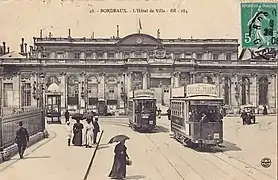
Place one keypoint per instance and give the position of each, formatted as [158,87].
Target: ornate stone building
[87,70]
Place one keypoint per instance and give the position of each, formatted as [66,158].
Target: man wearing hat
[21,139]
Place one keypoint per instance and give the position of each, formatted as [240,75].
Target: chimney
[41,33]
[8,50]
[21,45]
[69,33]
[25,47]
[118,31]
[4,47]
[31,49]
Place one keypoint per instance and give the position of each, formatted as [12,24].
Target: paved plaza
[155,156]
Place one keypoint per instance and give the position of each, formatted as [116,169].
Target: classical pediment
[138,39]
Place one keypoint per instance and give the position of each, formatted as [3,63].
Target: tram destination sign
[259,26]
[201,90]
[144,93]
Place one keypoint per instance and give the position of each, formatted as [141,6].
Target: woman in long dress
[77,133]
[119,165]
[89,133]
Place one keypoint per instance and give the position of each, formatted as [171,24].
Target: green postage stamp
[259,26]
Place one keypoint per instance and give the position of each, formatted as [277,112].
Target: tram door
[53,108]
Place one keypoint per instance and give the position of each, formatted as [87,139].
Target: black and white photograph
[138,89]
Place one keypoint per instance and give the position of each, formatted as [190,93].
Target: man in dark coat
[21,139]
[67,115]
[96,129]
[169,113]
[244,116]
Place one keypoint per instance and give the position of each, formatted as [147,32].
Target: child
[69,132]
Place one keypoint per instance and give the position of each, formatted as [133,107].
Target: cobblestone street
[155,156]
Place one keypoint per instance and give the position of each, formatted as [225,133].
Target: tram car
[141,110]
[196,120]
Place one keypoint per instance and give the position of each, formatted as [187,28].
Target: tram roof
[143,98]
[199,98]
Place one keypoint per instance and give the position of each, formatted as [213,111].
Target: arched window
[263,91]
[245,91]
[92,90]
[72,90]
[227,90]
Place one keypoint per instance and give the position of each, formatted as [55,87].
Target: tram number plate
[216,136]
[150,122]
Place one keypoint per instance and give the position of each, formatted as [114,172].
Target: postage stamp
[259,25]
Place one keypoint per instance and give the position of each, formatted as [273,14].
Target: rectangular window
[76,55]
[110,55]
[88,55]
[99,55]
[126,55]
[215,56]
[199,56]
[228,56]
[8,94]
[26,94]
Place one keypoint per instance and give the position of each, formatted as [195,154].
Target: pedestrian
[21,139]
[265,110]
[77,133]
[120,161]
[89,133]
[169,113]
[69,133]
[96,129]
[159,113]
[67,115]
[243,116]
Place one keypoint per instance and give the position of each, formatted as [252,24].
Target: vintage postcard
[138,89]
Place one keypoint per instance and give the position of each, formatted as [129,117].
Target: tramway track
[171,164]
[226,173]
[243,163]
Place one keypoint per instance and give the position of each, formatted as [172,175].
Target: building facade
[87,70]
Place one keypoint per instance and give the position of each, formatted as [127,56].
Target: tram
[141,110]
[196,120]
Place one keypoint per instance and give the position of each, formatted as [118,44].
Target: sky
[204,19]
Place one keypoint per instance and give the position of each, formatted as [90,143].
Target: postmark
[266,162]
[259,25]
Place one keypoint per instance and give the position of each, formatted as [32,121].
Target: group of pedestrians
[83,134]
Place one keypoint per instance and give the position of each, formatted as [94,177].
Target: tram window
[205,113]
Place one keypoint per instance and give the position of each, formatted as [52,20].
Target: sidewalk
[50,158]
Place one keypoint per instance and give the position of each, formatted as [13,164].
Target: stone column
[272,91]
[128,82]
[101,85]
[17,90]
[63,88]
[234,82]
[145,80]
[254,90]
[82,86]
[221,87]
[119,80]
[217,80]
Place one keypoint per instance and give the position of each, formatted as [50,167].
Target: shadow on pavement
[135,177]
[39,157]
[160,129]
[226,146]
